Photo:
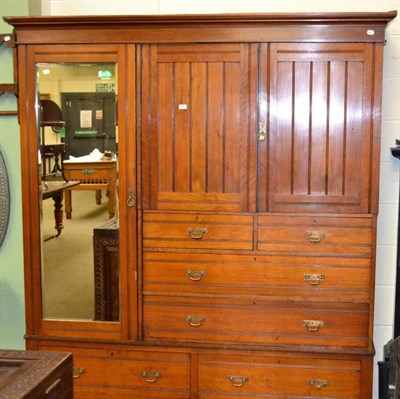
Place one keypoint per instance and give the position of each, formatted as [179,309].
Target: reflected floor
[68,273]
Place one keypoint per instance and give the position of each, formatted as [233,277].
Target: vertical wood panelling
[198,114]
[281,142]
[266,115]
[150,122]
[300,128]
[181,128]
[201,140]
[231,128]
[215,102]
[164,134]
[354,128]
[337,123]
[318,141]
[144,144]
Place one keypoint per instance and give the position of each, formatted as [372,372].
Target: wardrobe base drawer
[240,376]
[130,374]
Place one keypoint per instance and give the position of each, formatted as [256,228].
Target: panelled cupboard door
[196,118]
[318,156]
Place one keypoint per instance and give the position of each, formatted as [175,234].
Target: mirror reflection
[78,136]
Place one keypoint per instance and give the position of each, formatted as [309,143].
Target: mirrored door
[78,157]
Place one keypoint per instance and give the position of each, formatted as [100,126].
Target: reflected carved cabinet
[248,154]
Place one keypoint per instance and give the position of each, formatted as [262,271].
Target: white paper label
[86,119]
[182,106]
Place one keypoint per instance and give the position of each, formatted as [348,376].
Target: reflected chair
[52,155]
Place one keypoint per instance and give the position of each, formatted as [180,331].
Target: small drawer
[315,234]
[305,377]
[197,231]
[126,374]
[90,172]
[219,320]
[322,278]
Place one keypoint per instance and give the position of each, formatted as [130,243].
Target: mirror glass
[78,156]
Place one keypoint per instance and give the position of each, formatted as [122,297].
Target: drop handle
[318,383]
[195,275]
[314,278]
[196,233]
[78,372]
[315,236]
[150,376]
[238,381]
[313,325]
[195,321]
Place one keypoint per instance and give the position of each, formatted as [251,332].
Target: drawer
[221,320]
[311,278]
[90,173]
[281,377]
[130,374]
[315,234]
[197,231]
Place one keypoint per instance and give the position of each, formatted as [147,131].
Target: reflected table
[55,189]
[92,175]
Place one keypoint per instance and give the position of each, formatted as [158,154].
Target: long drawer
[192,319]
[197,231]
[311,278]
[100,373]
[228,377]
[335,235]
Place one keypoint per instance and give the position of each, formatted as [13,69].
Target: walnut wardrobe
[247,195]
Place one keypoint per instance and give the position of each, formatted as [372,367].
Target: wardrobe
[248,153]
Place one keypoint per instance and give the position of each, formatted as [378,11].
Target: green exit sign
[105,74]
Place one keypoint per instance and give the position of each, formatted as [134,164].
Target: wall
[389,186]
[12,311]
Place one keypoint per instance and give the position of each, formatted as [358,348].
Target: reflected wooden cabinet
[248,165]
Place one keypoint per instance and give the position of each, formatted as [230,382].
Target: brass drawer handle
[150,376]
[314,279]
[78,372]
[238,381]
[195,275]
[315,236]
[313,325]
[88,171]
[196,233]
[195,321]
[319,383]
